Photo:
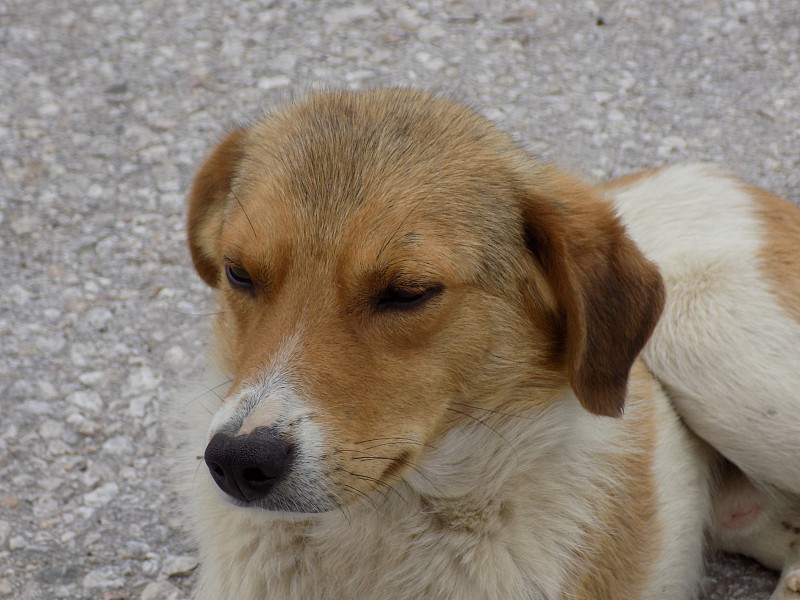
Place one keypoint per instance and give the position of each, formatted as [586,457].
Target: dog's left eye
[238,277]
[400,298]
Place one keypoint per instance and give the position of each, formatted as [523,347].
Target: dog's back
[728,343]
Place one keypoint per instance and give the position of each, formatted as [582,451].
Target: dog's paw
[793,581]
[789,585]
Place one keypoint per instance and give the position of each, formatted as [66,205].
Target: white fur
[724,347]
[681,468]
[518,506]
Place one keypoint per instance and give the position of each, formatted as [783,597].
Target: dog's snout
[246,467]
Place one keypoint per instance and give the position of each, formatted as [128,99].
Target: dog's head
[388,265]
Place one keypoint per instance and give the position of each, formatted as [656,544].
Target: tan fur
[449,455]
[779,254]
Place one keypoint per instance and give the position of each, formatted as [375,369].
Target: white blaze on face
[263,401]
[273,399]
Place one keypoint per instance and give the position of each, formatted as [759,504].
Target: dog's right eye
[238,277]
[400,298]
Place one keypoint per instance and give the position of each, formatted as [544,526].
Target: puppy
[436,375]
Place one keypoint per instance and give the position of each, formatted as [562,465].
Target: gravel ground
[106,109]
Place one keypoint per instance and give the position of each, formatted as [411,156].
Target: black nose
[247,467]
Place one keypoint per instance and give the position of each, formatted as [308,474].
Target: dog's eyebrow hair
[398,272]
[400,226]
[232,261]
[239,202]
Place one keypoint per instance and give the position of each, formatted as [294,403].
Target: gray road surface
[106,108]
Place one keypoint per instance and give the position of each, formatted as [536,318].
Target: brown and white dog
[430,345]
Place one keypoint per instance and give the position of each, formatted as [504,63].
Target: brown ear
[207,200]
[610,296]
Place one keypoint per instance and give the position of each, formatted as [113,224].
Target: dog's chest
[442,549]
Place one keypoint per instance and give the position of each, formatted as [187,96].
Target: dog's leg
[789,586]
[763,524]
[727,343]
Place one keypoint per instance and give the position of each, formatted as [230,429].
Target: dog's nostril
[255,475]
[216,469]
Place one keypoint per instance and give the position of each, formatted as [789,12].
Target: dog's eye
[238,277]
[400,298]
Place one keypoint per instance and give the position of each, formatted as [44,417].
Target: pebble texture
[106,109]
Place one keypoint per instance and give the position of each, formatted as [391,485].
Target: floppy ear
[609,295]
[207,200]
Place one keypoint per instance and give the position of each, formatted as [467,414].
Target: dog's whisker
[388,487]
[342,506]
[398,440]
[496,412]
[363,495]
[214,389]
[418,469]
[196,399]
[200,462]
[225,383]
[208,390]
[370,480]
[485,424]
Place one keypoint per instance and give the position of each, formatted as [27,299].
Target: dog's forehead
[397,164]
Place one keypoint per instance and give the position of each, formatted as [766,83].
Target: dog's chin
[280,504]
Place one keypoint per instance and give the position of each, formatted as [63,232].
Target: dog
[449,370]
